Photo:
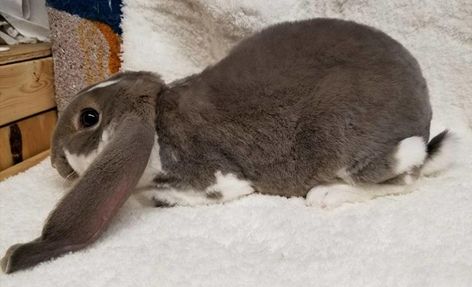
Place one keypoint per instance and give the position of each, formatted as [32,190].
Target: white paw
[332,196]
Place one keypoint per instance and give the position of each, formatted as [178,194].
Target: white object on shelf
[29,17]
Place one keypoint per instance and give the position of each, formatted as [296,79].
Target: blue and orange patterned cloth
[86,43]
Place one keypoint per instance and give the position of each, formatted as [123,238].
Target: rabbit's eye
[89,117]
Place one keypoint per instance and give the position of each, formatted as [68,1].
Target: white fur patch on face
[153,166]
[102,85]
[80,163]
[411,153]
[227,187]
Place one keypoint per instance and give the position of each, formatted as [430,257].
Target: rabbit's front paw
[332,196]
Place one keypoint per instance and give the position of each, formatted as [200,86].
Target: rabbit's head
[87,125]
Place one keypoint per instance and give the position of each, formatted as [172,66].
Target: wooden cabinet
[27,106]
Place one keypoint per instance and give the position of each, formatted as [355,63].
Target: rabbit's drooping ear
[94,113]
[84,213]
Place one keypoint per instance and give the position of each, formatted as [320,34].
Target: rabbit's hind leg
[404,159]
[391,175]
[334,195]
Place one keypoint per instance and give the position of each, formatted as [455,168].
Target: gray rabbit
[325,109]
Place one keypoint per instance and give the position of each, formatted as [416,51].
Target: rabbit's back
[293,105]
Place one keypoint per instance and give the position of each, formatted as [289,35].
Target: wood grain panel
[32,136]
[36,133]
[23,52]
[26,88]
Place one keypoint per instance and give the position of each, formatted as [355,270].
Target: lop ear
[84,213]
[144,83]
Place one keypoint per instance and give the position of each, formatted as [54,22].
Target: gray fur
[286,110]
[86,210]
[292,105]
[82,215]
[134,94]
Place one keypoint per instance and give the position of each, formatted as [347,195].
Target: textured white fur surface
[411,153]
[153,166]
[420,239]
[446,156]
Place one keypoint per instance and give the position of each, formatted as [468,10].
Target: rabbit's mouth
[60,163]
[65,170]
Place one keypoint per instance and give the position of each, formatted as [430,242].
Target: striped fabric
[86,37]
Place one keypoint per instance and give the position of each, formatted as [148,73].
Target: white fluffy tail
[442,150]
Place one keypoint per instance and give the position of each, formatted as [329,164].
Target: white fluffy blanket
[420,239]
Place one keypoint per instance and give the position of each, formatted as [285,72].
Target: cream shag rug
[420,239]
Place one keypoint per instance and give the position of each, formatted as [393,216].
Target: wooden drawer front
[24,139]
[26,88]
[23,52]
